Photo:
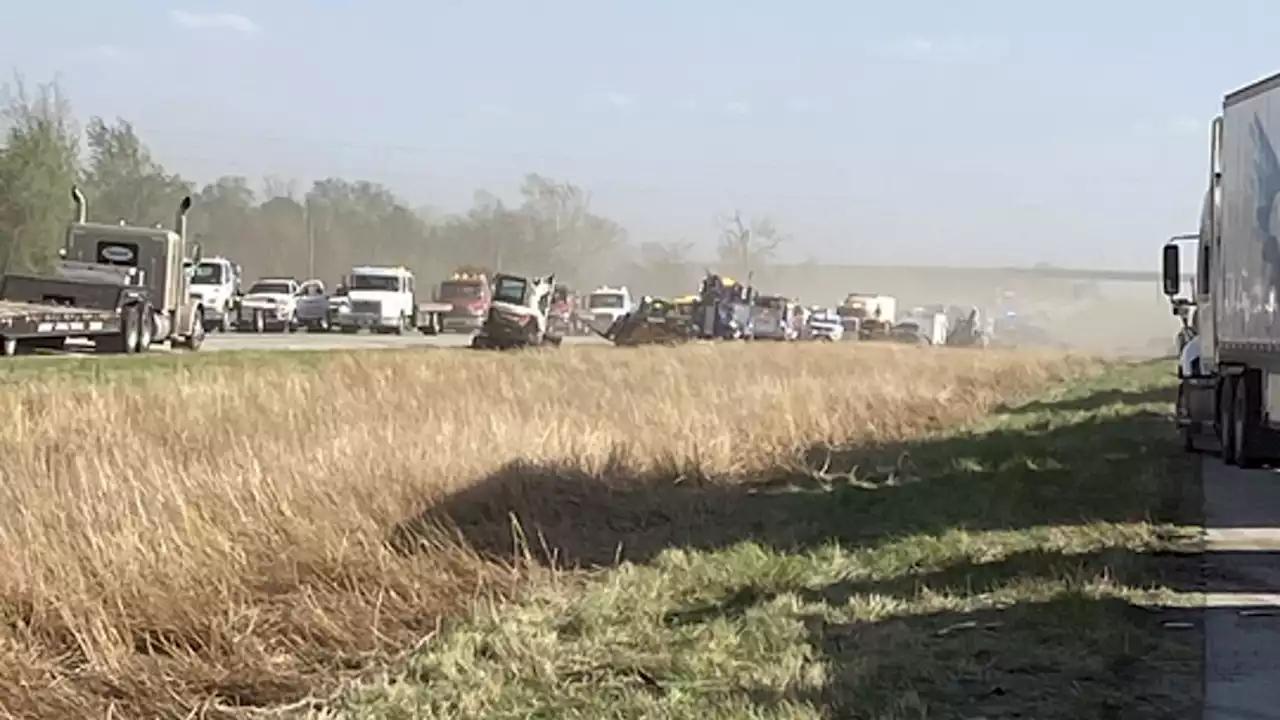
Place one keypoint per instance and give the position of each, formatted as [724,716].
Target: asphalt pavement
[1242,593]
[339,341]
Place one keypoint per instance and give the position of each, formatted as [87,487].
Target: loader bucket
[652,322]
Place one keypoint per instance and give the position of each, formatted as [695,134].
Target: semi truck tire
[195,340]
[146,329]
[125,341]
[1246,414]
[1226,421]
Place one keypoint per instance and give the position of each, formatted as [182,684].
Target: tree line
[274,228]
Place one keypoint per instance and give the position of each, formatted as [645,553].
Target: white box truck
[1229,365]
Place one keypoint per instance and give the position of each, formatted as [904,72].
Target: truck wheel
[259,321]
[401,324]
[146,329]
[1244,414]
[195,340]
[9,347]
[1226,423]
[125,341]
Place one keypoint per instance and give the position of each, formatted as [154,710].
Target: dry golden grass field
[209,536]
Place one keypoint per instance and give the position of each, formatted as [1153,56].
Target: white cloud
[214,21]
[491,109]
[945,49]
[737,108]
[612,100]
[689,104]
[916,47]
[621,101]
[799,104]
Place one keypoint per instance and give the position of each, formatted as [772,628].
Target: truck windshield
[770,303]
[605,301]
[208,274]
[455,290]
[386,283]
[271,287]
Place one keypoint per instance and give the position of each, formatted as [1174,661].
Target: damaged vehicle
[518,314]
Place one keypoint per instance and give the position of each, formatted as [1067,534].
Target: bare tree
[748,246]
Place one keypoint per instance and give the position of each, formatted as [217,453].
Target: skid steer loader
[654,321]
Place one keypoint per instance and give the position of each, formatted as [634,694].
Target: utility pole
[309,229]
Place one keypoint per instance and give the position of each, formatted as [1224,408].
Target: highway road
[1242,593]
[338,341]
[223,342]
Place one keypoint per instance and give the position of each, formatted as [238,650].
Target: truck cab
[152,259]
[216,281]
[607,304]
[774,317]
[468,294]
[380,299]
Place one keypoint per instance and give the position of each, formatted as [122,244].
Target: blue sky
[983,132]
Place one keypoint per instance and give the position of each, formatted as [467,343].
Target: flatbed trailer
[44,312]
[32,326]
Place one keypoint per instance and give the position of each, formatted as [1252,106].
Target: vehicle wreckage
[518,314]
[654,321]
[721,310]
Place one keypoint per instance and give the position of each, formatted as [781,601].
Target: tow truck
[122,286]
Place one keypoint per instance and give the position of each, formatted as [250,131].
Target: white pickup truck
[270,304]
[384,300]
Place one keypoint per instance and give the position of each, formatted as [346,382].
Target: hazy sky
[979,132]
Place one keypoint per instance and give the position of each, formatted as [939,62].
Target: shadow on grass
[1005,479]
[1070,654]
[1095,401]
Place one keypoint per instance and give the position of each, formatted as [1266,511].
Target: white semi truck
[1230,359]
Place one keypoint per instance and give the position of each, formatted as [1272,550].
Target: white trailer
[1230,389]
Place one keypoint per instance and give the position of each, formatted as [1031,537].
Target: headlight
[344,309]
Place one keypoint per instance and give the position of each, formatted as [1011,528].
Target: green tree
[37,170]
[123,181]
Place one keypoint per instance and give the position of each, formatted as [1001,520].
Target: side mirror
[1169,270]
